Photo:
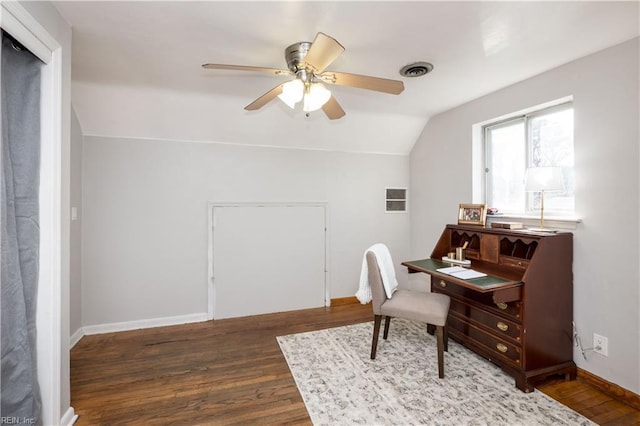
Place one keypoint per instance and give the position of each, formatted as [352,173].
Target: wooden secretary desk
[520,315]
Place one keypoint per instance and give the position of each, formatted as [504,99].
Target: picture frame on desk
[472,214]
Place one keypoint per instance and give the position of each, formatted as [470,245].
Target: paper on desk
[462,273]
[468,274]
[451,269]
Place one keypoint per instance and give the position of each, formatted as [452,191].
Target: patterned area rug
[340,385]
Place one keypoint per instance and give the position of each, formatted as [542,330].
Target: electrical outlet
[600,344]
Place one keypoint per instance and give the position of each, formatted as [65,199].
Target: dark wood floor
[232,372]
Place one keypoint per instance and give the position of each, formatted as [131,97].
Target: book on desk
[507,225]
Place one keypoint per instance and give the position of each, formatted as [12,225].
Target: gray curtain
[20,236]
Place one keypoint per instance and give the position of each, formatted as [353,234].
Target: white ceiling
[136,65]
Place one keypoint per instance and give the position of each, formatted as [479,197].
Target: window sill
[551,222]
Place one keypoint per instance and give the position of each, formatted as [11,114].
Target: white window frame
[480,166]
[486,150]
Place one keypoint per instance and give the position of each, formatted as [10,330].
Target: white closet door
[267,259]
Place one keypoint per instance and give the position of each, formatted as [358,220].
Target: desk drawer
[484,301]
[494,324]
[514,262]
[493,347]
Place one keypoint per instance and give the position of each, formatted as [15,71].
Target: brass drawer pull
[502,326]
[501,305]
[502,348]
[443,283]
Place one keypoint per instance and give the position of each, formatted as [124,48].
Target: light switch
[74,213]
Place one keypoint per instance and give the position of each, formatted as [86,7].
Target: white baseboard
[69,417]
[75,337]
[146,323]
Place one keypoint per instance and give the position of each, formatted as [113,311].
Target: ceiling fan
[307,63]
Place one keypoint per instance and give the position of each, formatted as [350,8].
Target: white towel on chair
[387,271]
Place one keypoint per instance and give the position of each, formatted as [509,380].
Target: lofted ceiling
[136,66]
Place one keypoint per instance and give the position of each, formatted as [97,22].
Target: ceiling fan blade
[265,99]
[323,51]
[394,87]
[332,109]
[267,70]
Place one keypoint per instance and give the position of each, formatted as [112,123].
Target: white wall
[605,89]
[75,277]
[144,229]
[155,112]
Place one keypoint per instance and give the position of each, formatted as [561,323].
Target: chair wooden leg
[376,330]
[387,321]
[440,337]
[446,338]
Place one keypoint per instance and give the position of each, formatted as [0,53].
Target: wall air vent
[396,200]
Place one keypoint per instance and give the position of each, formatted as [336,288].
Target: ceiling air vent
[417,69]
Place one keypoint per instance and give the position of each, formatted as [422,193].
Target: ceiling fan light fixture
[307,62]
[316,96]
[292,92]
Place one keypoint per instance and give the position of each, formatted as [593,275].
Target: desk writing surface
[482,284]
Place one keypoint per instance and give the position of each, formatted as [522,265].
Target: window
[396,200]
[543,138]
